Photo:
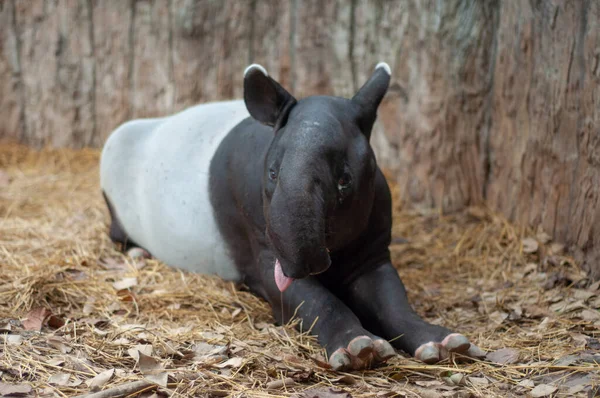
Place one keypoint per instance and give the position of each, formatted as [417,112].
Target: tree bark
[490,101]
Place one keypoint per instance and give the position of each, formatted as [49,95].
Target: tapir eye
[272,174]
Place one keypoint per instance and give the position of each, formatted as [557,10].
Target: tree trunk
[490,101]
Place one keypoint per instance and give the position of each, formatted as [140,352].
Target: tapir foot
[433,352]
[362,352]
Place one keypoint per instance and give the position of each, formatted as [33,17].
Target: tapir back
[155,172]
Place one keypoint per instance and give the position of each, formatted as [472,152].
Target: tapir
[285,196]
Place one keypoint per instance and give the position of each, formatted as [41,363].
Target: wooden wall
[490,100]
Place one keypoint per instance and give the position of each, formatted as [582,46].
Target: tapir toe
[362,352]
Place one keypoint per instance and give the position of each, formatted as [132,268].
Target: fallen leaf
[100,379]
[527,383]
[5,327]
[565,306]
[12,339]
[235,362]
[56,361]
[503,356]
[59,344]
[323,392]
[542,390]
[276,384]
[530,245]
[152,369]
[14,390]
[125,283]
[347,379]
[589,315]
[55,322]
[479,381]
[236,312]
[35,318]
[59,379]
[498,317]
[145,349]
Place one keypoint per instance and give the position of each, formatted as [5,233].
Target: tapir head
[319,170]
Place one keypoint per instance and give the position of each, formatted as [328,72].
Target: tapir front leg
[379,298]
[338,329]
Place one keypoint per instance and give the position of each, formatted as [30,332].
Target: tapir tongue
[282,281]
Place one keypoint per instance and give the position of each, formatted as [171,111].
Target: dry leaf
[100,379]
[530,245]
[59,379]
[59,344]
[12,339]
[145,349]
[526,383]
[503,356]
[35,318]
[125,283]
[323,392]
[152,369]
[589,315]
[14,390]
[542,390]
[497,317]
[479,381]
[276,384]
[55,322]
[235,362]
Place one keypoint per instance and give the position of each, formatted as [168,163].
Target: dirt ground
[77,317]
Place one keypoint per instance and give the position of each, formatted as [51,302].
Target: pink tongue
[282,281]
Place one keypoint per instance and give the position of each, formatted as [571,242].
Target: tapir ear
[265,99]
[370,95]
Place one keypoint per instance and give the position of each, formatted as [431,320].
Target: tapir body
[283,195]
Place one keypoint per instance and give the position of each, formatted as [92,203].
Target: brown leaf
[55,322]
[100,379]
[34,320]
[530,245]
[14,390]
[542,390]
[503,356]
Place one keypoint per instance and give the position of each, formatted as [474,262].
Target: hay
[118,326]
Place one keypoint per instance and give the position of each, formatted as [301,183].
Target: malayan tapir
[284,196]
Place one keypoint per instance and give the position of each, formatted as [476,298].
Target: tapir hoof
[433,352]
[361,353]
